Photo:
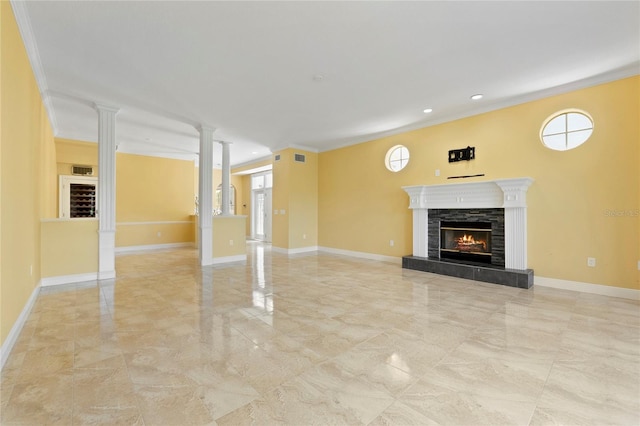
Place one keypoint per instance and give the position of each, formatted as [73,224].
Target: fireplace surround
[500,203]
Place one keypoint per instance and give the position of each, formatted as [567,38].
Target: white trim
[309,249]
[362,255]
[28,39]
[161,222]
[106,275]
[259,169]
[68,279]
[229,259]
[150,247]
[68,219]
[12,337]
[605,290]
[298,147]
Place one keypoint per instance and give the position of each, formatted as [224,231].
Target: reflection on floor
[319,339]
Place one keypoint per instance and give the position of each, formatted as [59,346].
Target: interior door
[267,214]
[259,206]
[262,214]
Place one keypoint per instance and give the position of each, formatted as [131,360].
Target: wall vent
[82,170]
[300,158]
[277,157]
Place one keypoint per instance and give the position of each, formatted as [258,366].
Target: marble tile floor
[318,339]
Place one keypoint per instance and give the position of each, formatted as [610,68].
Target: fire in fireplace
[466,241]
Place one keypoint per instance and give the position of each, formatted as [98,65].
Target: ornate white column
[515,221]
[226,177]
[205,190]
[106,190]
[418,202]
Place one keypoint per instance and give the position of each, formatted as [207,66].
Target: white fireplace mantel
[509,194]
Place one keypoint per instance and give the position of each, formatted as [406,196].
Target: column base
[205,252]
[106,254]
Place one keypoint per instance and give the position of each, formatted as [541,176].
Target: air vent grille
[300,158]
[82,170]
[277,157]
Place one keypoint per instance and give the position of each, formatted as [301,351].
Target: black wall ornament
[464,154]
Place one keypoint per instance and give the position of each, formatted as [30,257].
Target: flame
[467,242]
[467,239]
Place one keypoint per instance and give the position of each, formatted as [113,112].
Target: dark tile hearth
[471,271]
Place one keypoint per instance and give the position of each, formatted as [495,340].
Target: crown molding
[249,163]
[630,70]
[295,146]
[26,32]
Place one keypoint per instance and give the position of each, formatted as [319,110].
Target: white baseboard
[604,290]
[150,247]
[68,279]
[309,249]
[12,337]
[229,259]
[362,255]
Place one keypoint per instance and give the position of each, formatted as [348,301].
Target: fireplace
[471,230]
[466,241]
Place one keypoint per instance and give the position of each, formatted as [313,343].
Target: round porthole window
[397,158]
[566,130]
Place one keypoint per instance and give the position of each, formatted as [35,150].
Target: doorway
[261,189]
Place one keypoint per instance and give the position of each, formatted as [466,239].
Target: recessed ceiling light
[476,97]
[254,152]
[428,110]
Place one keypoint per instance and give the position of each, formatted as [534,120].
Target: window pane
[578,122]
[404,154]
[557,142]
[395,155]
[555,126]
[269,180]
[257,182]
[575,139]
[395,165]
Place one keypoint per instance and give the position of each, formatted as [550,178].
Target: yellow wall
[71,152]
[141,234]
[280,199]
[228,236]
[149,190]
[362,205]
[295,190]
[152,189]
[246,207]
[69,247]
[27,159]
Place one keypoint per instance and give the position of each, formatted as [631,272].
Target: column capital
[203,128]
[224,143]
[105,107]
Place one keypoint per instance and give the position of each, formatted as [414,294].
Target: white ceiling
[314,75]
